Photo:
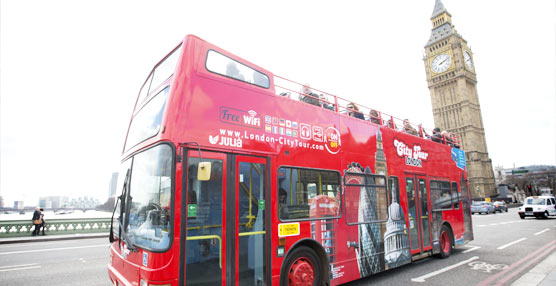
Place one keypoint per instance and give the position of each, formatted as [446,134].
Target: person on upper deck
[233,71]
[407,128]
[451,140]
[436,136]
[308,96]
[389,124]
[324,102]
[353,111]
[373,114]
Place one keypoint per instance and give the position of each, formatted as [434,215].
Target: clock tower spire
[452,83]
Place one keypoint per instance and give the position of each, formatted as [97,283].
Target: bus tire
[302,268]
[445,242]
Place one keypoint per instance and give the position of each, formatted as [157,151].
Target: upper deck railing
[304,93]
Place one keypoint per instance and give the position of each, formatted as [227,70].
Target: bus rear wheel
[445,242]
[302,268]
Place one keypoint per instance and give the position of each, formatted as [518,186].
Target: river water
[51,215]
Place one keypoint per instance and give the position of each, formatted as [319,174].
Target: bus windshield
[149,201]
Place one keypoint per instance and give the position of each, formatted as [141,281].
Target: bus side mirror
[203,172]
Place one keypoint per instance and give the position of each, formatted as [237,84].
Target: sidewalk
[47,237]
[544,274]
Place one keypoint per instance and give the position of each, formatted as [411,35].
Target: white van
[538,206]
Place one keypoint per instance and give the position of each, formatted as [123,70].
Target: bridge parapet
[16,228]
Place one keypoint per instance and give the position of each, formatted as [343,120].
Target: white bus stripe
[422,278]
[511,243]
[53,249]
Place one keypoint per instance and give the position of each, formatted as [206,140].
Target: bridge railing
[14,228]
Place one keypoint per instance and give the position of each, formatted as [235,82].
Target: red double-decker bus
[232,175]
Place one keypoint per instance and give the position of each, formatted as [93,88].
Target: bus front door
[250,229]
[205,225]
[419,213]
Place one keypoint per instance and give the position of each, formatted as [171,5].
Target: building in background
[113,184]
[18,205]
[53,202]
[452,83]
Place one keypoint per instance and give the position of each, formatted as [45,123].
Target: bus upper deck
[222,66]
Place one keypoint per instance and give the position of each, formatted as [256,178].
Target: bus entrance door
[205,235]
[250,229]
[419,213]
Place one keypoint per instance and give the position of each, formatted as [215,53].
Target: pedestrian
[36,221]
[43,222]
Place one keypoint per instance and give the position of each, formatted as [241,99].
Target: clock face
[441,63]
[467,59]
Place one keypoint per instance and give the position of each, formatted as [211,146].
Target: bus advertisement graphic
[276,131]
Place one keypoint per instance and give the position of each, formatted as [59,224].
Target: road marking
[544,230]
[53,249]
[520,265]
[472,249]
[511,243]
[422,278]
[486,267]
[19,267]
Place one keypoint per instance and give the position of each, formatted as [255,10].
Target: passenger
[407,128]
[308,96]
[451,140]
[324,102]
[444,136]
[233,71]
[425,135]
[283,204]
[353,111]
[436,136]
[374,117]
[389,124]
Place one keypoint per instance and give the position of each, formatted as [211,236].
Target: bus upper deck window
[223,65]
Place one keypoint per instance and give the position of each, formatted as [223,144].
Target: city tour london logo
[278,130]
[414,156]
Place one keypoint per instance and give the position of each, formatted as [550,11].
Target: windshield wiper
[121,232]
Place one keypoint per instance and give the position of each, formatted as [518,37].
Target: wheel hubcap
[301,273]
[445,242]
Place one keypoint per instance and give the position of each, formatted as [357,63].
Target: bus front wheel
[445,242]
[302,268]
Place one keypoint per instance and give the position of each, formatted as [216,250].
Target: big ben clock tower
[452,84]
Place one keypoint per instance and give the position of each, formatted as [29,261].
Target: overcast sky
[70,72]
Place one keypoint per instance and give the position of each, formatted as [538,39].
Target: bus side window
[456,195]
[226,66]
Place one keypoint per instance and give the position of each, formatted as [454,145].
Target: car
[538,206]
[482,207]
[500,207]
